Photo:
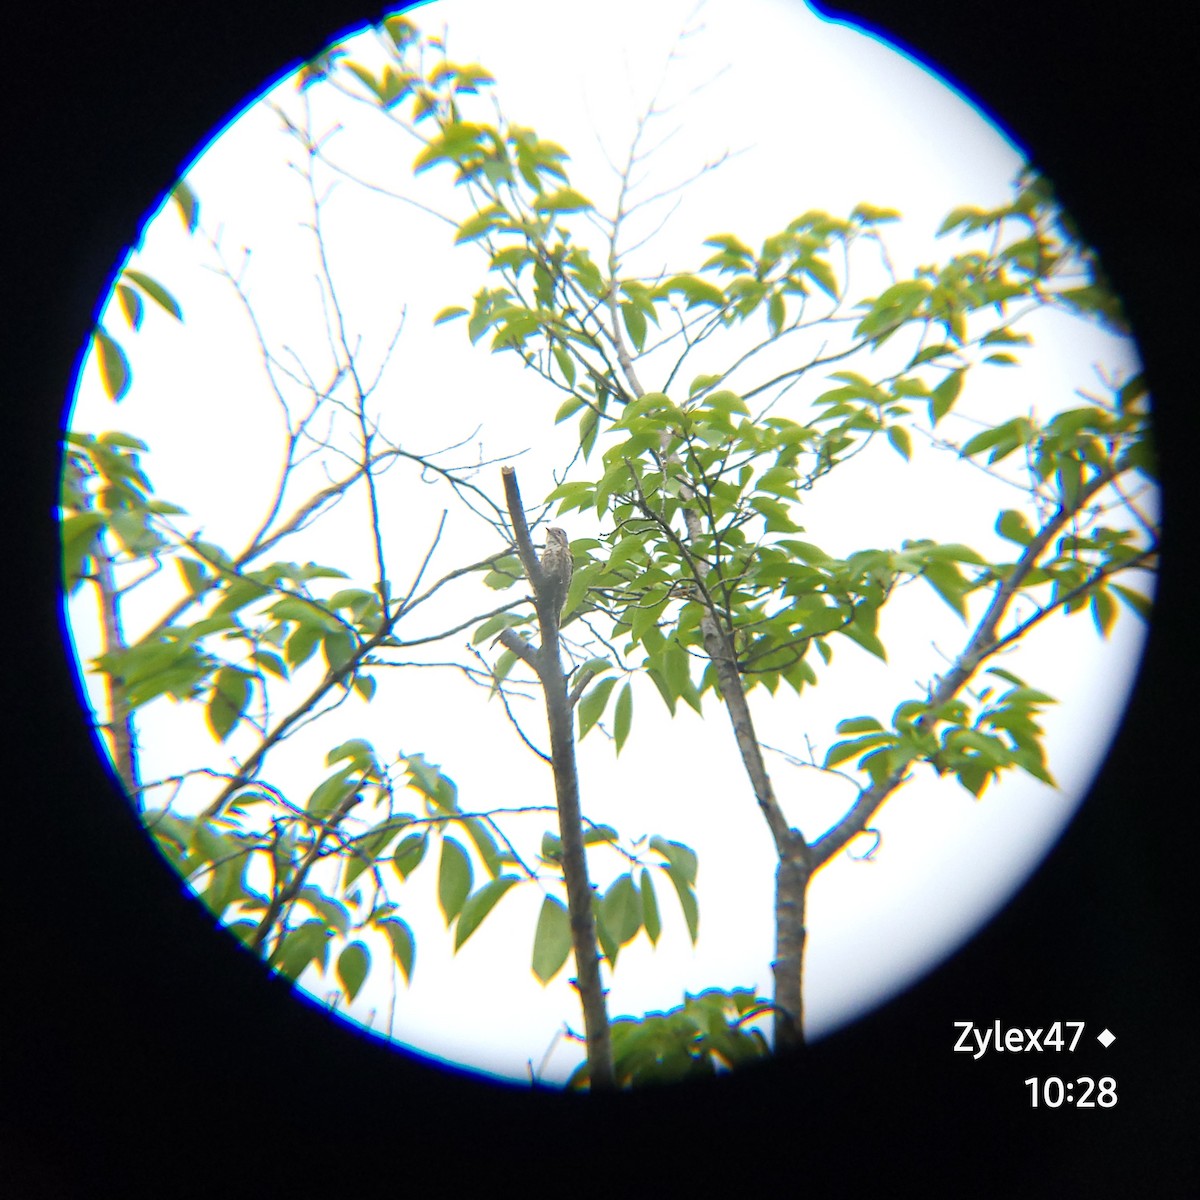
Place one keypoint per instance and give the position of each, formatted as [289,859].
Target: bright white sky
[821,116]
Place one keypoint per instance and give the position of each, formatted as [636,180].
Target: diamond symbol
[1106,1039]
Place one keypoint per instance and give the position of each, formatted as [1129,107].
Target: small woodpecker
[557,565]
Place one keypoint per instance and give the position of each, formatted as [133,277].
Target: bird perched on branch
[557,565]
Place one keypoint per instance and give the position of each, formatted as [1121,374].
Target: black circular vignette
[149,1053]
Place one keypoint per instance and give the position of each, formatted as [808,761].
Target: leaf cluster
[708,1033]
[131,290]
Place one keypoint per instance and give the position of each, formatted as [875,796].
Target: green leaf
[866,639]
[930,353]
[449,314]
[591,707]
[330,793]
[623,716]
[703,383]
[213,554]
[954,552]
[819,271]
[1003,439]
[806,552]
[242,930]
[1140,604]
[181,677]
[696,290]
[895,306]
[645,617]
[1069,477]
[360,752]
[227,704]
[651,918]
[454,879]
[352,966]
[566,200]
[682,858]
[776,313]
[552,940]
[238,594]
[630,546]
[131,305]
[113,438]
[969,218]
[476,226]
[687,902]
[78,535]
[188,205]
[456,141]
[133,531]
[1013,526]
[901,442]
[942,398]
[869,214]
[428,779]
[1095,299]
[1007,676]
[156,292]
[333,912]
[306,944]
[610,948]
[596,665]
[484,843]
[589,430]
[776,515]
[859,725]
[301,645]
[1030,760]
[732,246]
[114,366]
[566,364]
[365,850]
[366,78]
[857,387]
[622,910]
[1005,337]
[195,575]
[948,581]
[227,885]
[840,751]
[1104,611]
[597,835]
[493,625]
[1132,391]
[479,905]
[404,947]
[635,323]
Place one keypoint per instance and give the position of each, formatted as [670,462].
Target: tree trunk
[546,662]
[574,857]
[791,889]
[120,717]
